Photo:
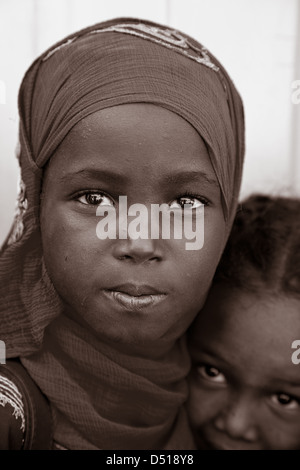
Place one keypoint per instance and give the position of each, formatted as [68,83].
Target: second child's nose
[137,251]
[237,421]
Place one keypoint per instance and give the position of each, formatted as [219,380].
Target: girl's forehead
[141,119]
[242,307]
[143,134]
[249,334]
[264,322]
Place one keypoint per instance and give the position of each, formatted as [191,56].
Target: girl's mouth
[132,302]
[134,297]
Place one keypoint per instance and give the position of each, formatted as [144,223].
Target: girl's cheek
[196,405]
[62,225]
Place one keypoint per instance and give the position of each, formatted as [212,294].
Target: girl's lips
[223,444]
[135,289]
[135,302]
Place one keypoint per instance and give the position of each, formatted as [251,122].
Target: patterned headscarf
[116,62]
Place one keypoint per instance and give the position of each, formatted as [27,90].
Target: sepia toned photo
[150,227]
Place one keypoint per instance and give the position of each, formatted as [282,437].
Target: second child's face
[130,291]
[244,385]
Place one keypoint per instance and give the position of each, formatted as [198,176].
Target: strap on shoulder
[38,419]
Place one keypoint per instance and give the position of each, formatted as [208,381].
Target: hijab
[100,398]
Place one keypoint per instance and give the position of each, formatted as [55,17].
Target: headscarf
[111,63]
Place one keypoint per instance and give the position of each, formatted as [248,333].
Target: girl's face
[244,385]
[130,291]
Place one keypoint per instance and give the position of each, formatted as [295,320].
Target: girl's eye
[286,401]
[211,373]
[95,199]
[193,202]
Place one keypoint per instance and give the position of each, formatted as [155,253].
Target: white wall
[254,39]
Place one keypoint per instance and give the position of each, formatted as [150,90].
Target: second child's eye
[286,401]
[211,373]
[95,199]
[193,202]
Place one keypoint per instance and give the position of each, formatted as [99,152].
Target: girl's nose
[137,251]
[238,421]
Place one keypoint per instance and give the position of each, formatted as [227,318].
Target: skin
[152,156]
[244,387]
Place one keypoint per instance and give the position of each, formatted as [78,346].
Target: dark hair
[263,250]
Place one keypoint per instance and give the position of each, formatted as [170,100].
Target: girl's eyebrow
[192,176]
[206,353]
[291,381]
[92,174]
[178,177]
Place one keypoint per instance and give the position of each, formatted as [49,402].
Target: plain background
[258,42]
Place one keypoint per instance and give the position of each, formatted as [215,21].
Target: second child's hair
[263,250]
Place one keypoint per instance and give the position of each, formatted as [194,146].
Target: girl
[125,108]
[245,385]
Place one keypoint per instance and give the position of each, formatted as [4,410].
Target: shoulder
[25,417]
